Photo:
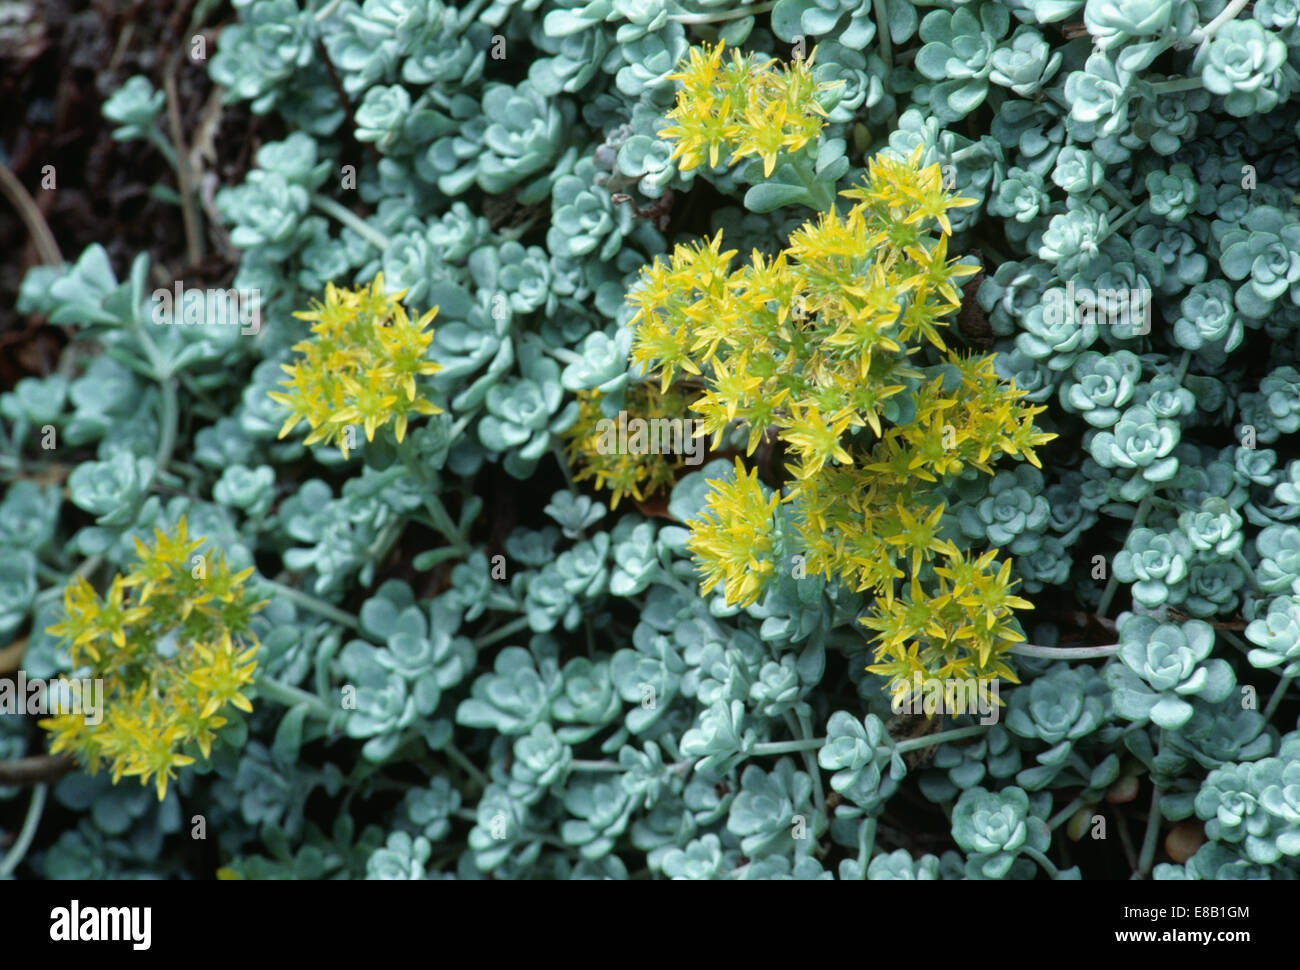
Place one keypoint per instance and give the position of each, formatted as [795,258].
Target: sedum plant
[359,367]
[818,347]
[744,107]
[546,695]
[639,472]
[172,643]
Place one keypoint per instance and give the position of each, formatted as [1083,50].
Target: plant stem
[170,415]
[1276,698]
[957,734]
[510,629]
[1114,194]
[516,232]
[353,221]
[458,427]
[713,18]
[881,10]
[762,748]
[558,450]
[580,765]
[1240,560]
[1118,224]
[866,843]
[168,412]
[384,541]
[564,355]
[667,575]
[1234,640]
[1176,85]
[442,518]
[961,153]
[1148,853]
[36,769]
[324,654]
[39,230]
[160,142]
[1065,653]
[1126,840]
[1047,865]
[802,729]
[19,849]
[50,574]
[181,163]
[1149,839]
[1066,813]
[291,696]
[313,604]
[788,747]
[467,766]
[1228,13]
[1143,509]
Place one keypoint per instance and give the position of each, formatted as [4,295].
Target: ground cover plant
[654,439]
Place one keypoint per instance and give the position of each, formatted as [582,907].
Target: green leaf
[288,736]
[773,195]
[428,559]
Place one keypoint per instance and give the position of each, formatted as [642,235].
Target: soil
[59,62]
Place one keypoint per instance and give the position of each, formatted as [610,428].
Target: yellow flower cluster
[744,107]
[359,367]
[956,631]
[635,472]
[819,345]
[172,646]
[733,540]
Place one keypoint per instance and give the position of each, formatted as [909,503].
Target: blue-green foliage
[489,672]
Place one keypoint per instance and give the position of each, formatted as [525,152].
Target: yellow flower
[637,475]
[360,367]
[745,107]
[838,333]
[155,755]
[733,542]
[156,705]
[223,674]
